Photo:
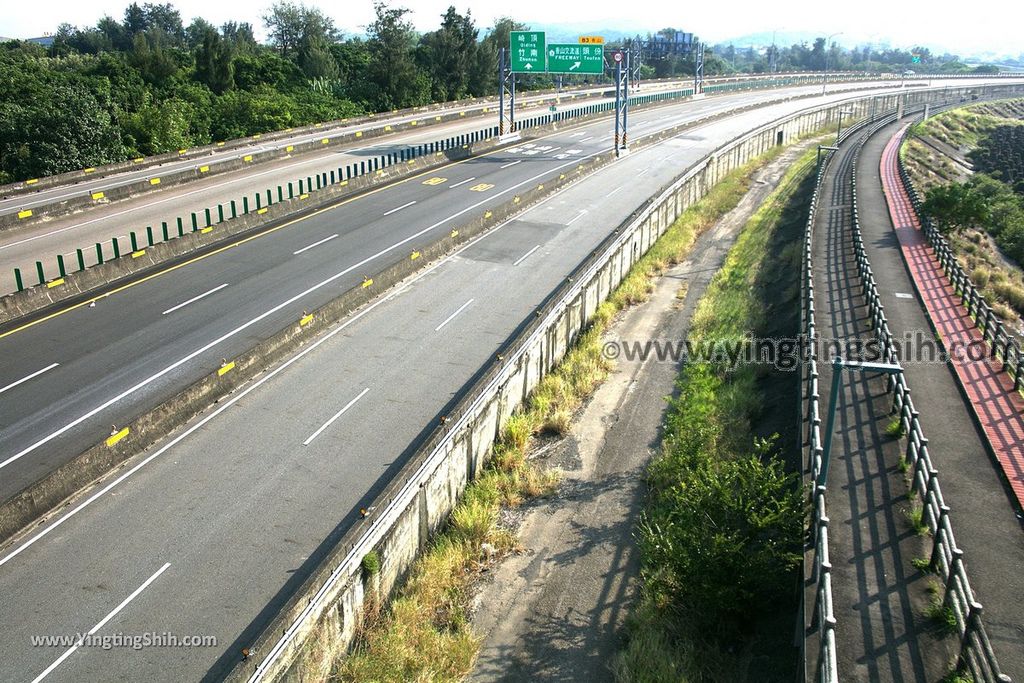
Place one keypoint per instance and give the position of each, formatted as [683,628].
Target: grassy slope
[718,417]
[1000,280]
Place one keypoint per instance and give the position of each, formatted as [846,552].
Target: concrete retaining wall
[330,599]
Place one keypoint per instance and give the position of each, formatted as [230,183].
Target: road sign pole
[501,92]
[625,104]
[618,84]
[698,69]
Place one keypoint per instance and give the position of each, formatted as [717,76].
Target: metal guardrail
[827,670]
[947,559]
[1003,344]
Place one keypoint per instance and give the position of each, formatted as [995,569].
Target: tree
[955,206]
[449,55]
[484,76]
[290,25]
[240,35]
[214,65]
[392,67]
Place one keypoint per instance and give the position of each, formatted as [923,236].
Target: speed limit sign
[617,56]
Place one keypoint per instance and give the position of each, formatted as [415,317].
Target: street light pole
[824,81]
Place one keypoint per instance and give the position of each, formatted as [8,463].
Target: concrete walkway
[878,596]
[982,507]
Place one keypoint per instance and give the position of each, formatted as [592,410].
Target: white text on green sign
[526,49]
[575,58]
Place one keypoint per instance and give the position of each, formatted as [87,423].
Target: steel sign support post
[698,68]
[621,102]
[507,88]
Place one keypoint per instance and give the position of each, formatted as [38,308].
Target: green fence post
[99,253]
[60,265]
[220,213]
[163,229]
[280,193]
[245,205]
[309,183]
[181,227]
[234,209]
[208,220]
[258,204]
[318,185]
[39,271]
[332,177]
[291,190]
[149,234]
[17,280]
[269,198]
[81,259]
[117,248]
[135,243]
[195,222]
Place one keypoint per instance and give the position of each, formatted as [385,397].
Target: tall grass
[424,633]
[720,537]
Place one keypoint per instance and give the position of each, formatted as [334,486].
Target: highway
[207,532]
[22,246]
[104,365]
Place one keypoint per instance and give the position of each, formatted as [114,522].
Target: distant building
[45,41]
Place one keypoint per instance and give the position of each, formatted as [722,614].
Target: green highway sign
[526,50]
[574,58]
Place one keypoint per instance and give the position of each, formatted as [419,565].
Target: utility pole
[828,49]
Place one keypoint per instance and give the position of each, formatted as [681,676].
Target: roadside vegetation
[981,213]
[423,633]
[721,536]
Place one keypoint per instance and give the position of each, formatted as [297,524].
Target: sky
[990,27]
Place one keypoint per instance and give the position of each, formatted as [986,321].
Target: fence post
[81,259]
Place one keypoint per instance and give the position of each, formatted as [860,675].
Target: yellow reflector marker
[54,283]
[137,254]
[97,195]
[220,144]
[488,214]
[325,141]
[263,210]
[367,282]
[117,436]
[303,196]
[257,136]
[33,181]
[247,157]
[208,228]
[204,169]
[415,255]
[306,319]
[455,233]
[343,183]
[225,369]
[154,181]
[387,127]
[437,118]
[182,151]
[88,170]
[25,214]
[289,148]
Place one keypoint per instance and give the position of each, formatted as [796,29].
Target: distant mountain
[570,33]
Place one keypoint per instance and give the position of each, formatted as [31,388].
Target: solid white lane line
[577,217]
[589,137]
[103,622]
[194,299]
[287,302]
[640,173]
[399,208]
[524,256]
[449,318]
[25,379]
[468,180]
[614,191]
[315,244]
[511,164]
[335,417]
